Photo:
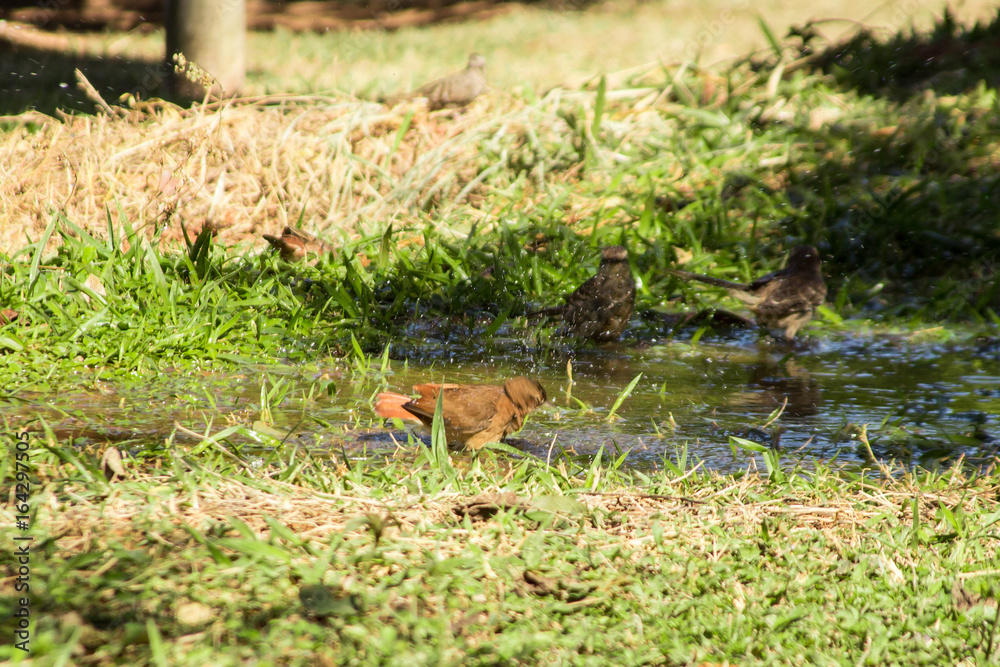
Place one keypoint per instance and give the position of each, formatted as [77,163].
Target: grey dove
[455,90]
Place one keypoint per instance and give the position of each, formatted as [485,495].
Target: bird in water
[473,414]
[781,301]
[600,309]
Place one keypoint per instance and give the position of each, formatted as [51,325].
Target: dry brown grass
[206,554]
[244,168]
[690,519]
[253,166]
[328,160]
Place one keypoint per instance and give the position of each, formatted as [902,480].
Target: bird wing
[763,291]
[602,291]
[764,280]
[477,405]
[435,89]
[601,307]
[467,409]
[790,298]
[459,88]
[431,390]
[589,292]
[423,407]
[585,307]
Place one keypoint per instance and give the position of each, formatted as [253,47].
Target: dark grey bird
[600,308]
[781,301]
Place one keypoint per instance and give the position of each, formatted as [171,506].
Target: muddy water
[924,404]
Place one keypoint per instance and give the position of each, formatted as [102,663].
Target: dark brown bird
[455,90]
[294,244]
[784,300]
[473,414]
[600,308]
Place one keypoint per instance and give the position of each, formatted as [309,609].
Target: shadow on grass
[903,191]
[949,60]
[43,79]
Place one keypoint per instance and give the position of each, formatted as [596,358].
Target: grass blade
[769,36]
[36,258]
[622,396]
[602,91]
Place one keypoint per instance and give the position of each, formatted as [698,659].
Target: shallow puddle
[924,404]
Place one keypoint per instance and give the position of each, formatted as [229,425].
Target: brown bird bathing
[473,414]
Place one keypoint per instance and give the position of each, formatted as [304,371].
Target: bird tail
[708,280]
[392,100]
[390,406]
[275,241]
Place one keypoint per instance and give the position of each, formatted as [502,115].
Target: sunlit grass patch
[193,557]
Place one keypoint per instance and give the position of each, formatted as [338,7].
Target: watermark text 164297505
[22,549]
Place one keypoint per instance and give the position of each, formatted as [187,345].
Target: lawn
[199,559]
[142,317]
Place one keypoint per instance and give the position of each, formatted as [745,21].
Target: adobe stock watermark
[21,558]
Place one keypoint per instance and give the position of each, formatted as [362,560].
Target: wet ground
[924,404]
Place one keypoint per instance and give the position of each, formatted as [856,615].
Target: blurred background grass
[528,48]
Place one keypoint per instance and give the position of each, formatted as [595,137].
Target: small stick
[88,89]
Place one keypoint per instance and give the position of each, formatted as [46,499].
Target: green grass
[219,550]
[211,306]
[293,560]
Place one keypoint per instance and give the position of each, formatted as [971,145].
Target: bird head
[803,257]
[614,253]
[524,393]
